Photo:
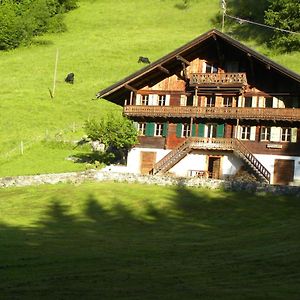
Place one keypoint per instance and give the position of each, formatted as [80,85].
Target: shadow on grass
[197,245]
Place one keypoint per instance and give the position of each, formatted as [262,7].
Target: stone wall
[94,175]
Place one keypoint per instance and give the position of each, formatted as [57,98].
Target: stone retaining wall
[94,175]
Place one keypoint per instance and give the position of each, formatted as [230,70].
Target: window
[142,128]
[227,101]
[186,130]
[245,132]
[145,100]
[158,129]
[210,101]
[161,100]
[285,134]
[211,130]
[211,68]
[269,102]
[265,133]
[248,102]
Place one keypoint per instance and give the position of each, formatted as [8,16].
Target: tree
[117,133]
[284,14]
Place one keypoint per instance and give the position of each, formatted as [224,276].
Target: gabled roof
[156,71]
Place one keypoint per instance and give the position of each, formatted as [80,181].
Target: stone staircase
[222,144]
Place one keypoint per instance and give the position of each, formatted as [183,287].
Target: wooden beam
[163,69]
[128,87]
[219,53]
[178,57]
[180,76]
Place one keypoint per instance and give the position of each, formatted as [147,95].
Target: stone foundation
[95,175]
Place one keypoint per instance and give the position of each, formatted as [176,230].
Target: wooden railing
[250,113]
[218,79]
[227,144]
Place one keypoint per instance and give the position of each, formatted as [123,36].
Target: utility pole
[223,3]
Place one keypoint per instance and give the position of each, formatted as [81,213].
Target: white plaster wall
[268,162]
[231,164]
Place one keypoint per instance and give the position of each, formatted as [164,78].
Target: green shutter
[201,128]
[165,129]
[179,130]
[194,130]
[150,129]
[220,130]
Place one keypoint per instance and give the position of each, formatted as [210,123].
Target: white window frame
[245,133]
[210,68]
[158,130]
[226,102]
[162,100]
[265,133]
[186,130]
[286,134]
[144,99]
[142,129]
[209,102]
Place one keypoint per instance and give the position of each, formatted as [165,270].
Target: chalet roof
[172,62]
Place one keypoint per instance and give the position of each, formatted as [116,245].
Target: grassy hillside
[113,241]
[102,45]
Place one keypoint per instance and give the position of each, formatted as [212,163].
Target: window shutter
[195,101]
[294,135]
[138,99]
[252,133]
[165,129]
[261,102]
[168,100]
[275,134]
[240,100]
[183,100]
[201,129]
[254,101]
[153,99]
[238,130]
[275,103]
[179,130]
[194,130]
[150,129]
[220,130]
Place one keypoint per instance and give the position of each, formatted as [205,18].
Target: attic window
[211,68]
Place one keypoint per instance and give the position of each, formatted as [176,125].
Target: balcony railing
[279,114]
[218,79]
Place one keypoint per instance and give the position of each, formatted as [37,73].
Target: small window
[210,101]
[269,102]
[265,133]
[145,100]
[211,68]
[158,129]
[186,130]
[142,128]
[245,132]
[161,100]
[285,134]
[227,101]
[248,102]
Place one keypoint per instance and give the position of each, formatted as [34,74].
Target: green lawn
[102,44]
[121,241]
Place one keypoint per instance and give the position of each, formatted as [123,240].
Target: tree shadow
[194,244]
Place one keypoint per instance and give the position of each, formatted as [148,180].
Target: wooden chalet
[211,108]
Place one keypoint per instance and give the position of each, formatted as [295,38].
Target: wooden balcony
[278,114]
[219,80]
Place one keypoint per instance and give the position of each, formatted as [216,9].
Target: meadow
[129,241]
[102,45]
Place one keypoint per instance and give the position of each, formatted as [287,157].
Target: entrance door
[284,171]
[214,165]
[148,160]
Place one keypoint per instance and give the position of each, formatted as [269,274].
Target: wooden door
[148,160]
[284,171]
[214,165]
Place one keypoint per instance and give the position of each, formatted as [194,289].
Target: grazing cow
[144,60]
[70,78]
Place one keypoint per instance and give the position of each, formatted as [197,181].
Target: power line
[241,21]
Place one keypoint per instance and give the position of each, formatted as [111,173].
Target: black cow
[70,78]
[144,60]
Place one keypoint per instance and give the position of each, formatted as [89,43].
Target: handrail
[250,113]
[209,79]
[213,144]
